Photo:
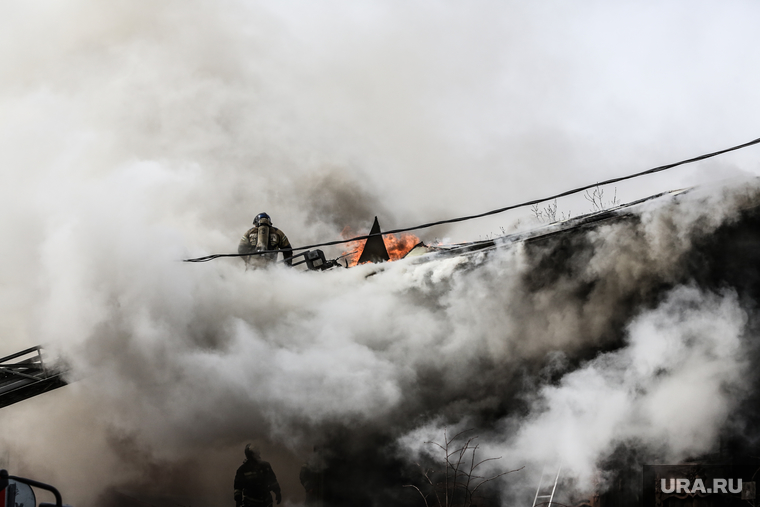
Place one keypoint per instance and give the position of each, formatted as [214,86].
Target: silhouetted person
[254,481]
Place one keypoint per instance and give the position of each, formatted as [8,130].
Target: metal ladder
[547,493]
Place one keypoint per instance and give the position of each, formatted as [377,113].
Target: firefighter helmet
[260,217]
[252,451]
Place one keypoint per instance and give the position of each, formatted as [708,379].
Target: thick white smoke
[133,136]
[672,390]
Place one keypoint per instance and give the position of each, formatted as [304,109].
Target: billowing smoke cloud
[133,136]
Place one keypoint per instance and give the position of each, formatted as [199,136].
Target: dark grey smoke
[336,197]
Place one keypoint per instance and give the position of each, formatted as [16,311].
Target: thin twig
[495,477]
[418,491]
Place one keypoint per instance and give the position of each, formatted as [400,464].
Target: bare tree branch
[418,491]
[495,477]
[458,477]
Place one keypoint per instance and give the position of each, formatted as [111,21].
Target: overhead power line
[495,211]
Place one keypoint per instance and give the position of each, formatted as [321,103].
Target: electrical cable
[495,211]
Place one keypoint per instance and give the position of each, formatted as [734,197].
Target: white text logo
[679,486]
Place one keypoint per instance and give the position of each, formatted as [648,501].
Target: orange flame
[353,249]
[397,246]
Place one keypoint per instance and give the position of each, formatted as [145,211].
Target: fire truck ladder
[24,375]
[546,487]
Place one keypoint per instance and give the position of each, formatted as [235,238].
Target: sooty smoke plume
[136,135]
[562,348]
[336,197]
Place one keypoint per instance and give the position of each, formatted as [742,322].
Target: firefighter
[254,481]
[263,236]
